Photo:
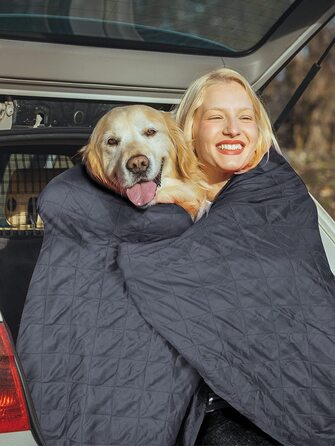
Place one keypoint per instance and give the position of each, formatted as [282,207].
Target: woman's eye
[113,141]
[215,117]
[246,118]
[150,132]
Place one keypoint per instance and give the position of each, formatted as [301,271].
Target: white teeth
[230,147]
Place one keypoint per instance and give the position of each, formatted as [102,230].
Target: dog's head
[132,149]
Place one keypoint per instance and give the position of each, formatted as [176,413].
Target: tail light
[13,410]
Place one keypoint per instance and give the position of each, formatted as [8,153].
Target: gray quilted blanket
[127,309]
[99,374]
[247,297]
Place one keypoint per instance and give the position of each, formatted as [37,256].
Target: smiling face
[128,149]
[225,131]
[131,132]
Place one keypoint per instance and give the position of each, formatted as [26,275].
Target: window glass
[307,137]
[222,25]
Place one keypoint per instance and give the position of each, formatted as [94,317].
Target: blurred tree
[308,135]
[310,126]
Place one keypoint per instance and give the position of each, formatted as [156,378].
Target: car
[63,65]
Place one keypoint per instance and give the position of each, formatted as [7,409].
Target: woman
[246,295]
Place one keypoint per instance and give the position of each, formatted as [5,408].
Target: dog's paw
[203,210]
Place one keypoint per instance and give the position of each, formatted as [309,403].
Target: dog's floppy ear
[91,155]
[187,162]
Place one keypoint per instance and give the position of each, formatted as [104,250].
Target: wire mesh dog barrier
[23,177]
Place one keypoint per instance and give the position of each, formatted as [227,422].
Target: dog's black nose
[138,164]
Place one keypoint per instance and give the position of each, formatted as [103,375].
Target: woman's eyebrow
[223,109]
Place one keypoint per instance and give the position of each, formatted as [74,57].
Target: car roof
[157,67]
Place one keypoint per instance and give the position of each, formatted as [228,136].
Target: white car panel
[24,438]
[327,232]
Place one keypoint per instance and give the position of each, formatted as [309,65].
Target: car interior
[88,60]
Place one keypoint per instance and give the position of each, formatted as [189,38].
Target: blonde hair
[193,99]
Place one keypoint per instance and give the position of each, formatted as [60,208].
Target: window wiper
[301,88]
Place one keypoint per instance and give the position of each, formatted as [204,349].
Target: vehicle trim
[327,233]
[24,438]
[292,50]
[43,90]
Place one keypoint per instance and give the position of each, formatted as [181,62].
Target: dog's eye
[150,132]
[113,141]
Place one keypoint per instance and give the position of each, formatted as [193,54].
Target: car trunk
[48,108]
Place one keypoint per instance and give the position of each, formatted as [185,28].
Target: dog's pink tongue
[142,193]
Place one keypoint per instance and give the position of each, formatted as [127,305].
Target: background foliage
[308,135]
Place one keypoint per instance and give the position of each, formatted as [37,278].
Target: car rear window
[213,27]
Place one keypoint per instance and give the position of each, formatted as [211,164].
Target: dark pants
[227,427]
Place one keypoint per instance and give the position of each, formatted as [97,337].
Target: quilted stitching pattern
[98,372]
[247,297]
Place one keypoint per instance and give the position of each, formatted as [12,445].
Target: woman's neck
[216,180]
[214,190]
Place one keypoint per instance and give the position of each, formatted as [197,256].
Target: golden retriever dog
[140,153]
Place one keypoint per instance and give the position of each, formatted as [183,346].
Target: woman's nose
[231,127]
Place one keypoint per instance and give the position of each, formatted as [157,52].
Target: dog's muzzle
[144,191]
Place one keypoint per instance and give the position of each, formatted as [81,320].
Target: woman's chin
[233,164]
[233,167]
